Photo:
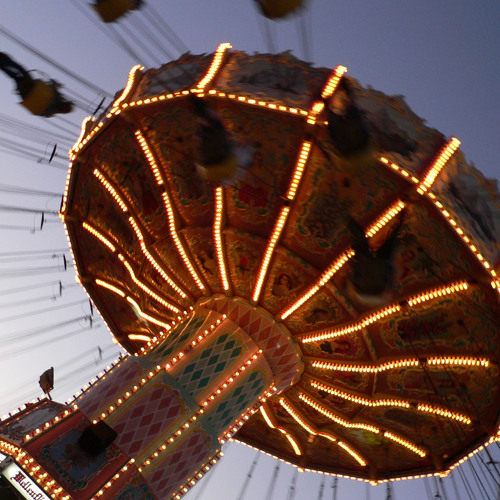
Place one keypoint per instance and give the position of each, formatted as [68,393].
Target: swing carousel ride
[241,295]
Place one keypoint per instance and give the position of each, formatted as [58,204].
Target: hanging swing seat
[111,10]
[277,9]
[40,97]
[219,172]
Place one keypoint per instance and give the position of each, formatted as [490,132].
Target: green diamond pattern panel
[201,371]
[176,337]
[237,401]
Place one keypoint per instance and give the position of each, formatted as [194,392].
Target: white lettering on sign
[23,483]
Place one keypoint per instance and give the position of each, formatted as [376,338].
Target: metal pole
[334,487]
[273,482]
[249,476]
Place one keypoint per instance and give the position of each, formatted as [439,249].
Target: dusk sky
[443,55]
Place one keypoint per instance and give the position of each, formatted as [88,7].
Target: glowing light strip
[79,146]
[110,189]
[458,361]
[443,157]
[328,274]
[299,169]
[400,363]
[147,316]
[219,210]
[152,100]
[267,418]
[358,399]
[215,65]
[309,428]
[177,241]
[471,454]
[397,439]
[137,231]
[134,71]
[333,81]
[351,452]
[110,287]
[149,157]
[322,281]
[205,403]
[83,128]
[144,338]
[144,287]
[253,102]
[388,215]
[93,231]
[351,327]
[399,170]
[438,292]
[64,204]
[113,479]
[387,311]
[489,268]
[327,413]
[270,423]
[370,428]
[280,223]
[444,413]
[152,260]
[292,441]
[328,90]
[389,402]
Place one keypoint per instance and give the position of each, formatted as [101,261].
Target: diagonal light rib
[219,249]
[372,402]
[444,155]
[133,223]
[294,413]
[440,361]
[375,316]
[370,428]
[214,66]
[121,293]
[178,243]
[265,412]
[280,223]
[381,221]
[328,90]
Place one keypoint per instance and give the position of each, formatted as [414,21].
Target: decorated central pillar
[156,421]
